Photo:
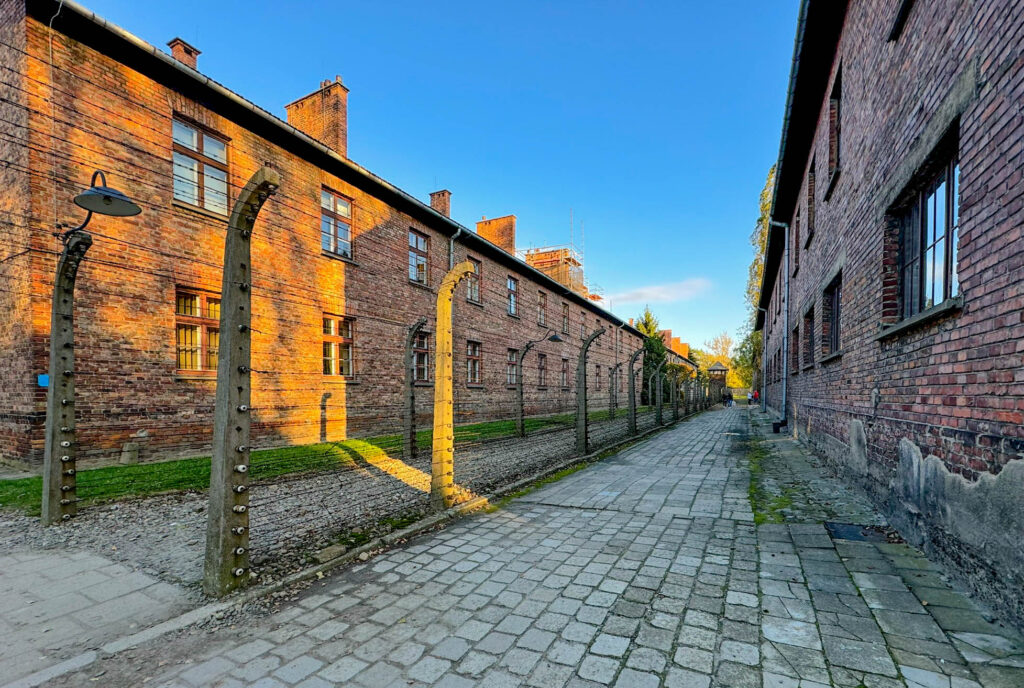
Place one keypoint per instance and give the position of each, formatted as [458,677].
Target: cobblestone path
[644,570]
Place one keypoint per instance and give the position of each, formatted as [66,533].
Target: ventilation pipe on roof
[784,420]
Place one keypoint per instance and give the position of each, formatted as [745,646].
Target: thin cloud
[663,293]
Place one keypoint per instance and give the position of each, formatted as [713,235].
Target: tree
[719,350]
[654,349]
[747,359]
[758,240]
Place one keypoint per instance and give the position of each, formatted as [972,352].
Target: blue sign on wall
[43,379]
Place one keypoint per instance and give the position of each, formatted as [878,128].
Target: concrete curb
[207,611]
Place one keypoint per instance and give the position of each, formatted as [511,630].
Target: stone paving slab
[647,569]
[56,603]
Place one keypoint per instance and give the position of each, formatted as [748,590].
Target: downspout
[451,247]
[784,419]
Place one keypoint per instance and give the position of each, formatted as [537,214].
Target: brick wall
[954,386]
[113,118]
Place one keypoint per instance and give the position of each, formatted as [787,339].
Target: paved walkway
[644,570]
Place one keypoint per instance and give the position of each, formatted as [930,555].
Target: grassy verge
[116,482]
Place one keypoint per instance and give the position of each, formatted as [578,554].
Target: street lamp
[59,480]
[520,421]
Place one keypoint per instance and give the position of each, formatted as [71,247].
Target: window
[542,370]
[421,357]
[200,168]
[418,248]
[565,373]
[472,362]
[335,223]
[473,282]
[513,296]
[928,243]
[808,343]
[512,370]
[835,126]
[794,352]
[337,346]
[197,330]
[597,377]
[583,325]
[542,307]
[902,13]
[831,307]
[812,209]
[565,318]
[796,242]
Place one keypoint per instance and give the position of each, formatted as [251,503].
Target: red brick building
[343,261]
[894,284]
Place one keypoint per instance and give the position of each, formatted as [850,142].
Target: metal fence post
[60,501]
[632,390]
[409,431]
[227,526]
[442,466]
[613,397]
[582,440]
[675,398]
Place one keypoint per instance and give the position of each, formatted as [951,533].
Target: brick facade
[113,106]
[950,380]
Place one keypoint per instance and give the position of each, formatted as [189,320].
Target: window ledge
[508,386]
[478,304]
[474,385]
[339,257]
[423,383]
[832,183]
[542,389]
[420,285]
[339,380]
[198,210]
[808,367]
[934,313]
[512,315]
[810,235]
[834,356]
[208,375]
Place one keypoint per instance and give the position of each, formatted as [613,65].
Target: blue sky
[655,123]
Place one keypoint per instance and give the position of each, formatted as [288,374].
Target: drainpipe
[784,420]
[451,248]
[764,358]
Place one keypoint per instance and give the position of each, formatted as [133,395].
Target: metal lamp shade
[555,338]
[103,200]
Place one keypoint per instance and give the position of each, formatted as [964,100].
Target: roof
[819,27]
[85,26]
[717,365]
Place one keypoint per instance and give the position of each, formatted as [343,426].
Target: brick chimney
[323,115]
[184,53]
[441,201]
[500,231]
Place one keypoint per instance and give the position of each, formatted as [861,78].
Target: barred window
[542,370]
[335,223]
[565,372]
[831,308]
[542,307]
[197,330]
[200,167]
[337,343]
[808,344]
[565,318]
[472,362]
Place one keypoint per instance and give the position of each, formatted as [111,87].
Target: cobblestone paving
[644,570]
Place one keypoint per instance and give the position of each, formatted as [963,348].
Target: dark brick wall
[111,117]
[954,386]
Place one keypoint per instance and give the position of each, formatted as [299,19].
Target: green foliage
[758,240]
[747,360]
[647,323]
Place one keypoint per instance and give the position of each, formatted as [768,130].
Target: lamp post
[520,419]
[59,479]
